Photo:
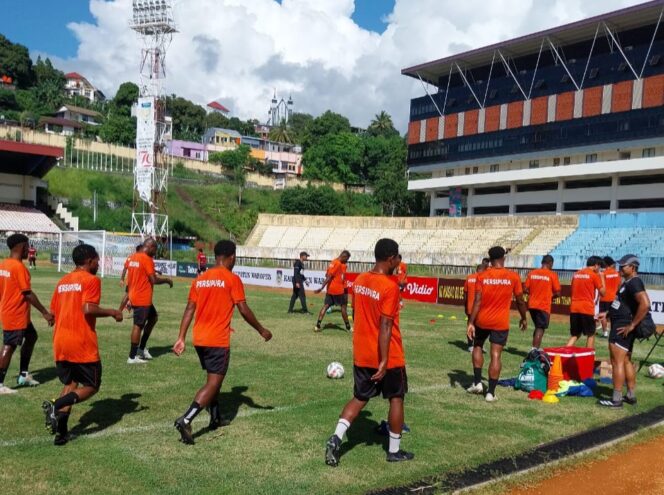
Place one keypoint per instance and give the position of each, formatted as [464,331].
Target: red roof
[218,106]
[73,75]
[31,149]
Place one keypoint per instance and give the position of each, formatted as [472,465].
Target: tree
[215,119]
[15,62]
[236,162]
[382,125]
[44,71]
[337,158]
[125,97]
[118,129]
[297,124]
[281,133]
[321,127]
[188,118]
[311,201]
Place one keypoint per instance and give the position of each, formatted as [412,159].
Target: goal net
[113,250]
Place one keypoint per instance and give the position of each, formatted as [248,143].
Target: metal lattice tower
[153,21]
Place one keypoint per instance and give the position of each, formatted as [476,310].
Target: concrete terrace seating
[546,240]
[15,218]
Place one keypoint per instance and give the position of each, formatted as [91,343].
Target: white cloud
[241,50]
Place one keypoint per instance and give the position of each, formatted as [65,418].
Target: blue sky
[41,25]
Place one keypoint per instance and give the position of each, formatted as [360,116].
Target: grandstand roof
[27,159]
[628,18]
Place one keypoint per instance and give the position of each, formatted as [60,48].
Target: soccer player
[469,296]
[32,257]
[202,261]
[585,284]
[490,318]
[612,281]
[542,286]
[141,279]
[402,274]
[299,281]
[75,304]
[16,297]
[212,299]
[379,365]
[630,309]
[336,290]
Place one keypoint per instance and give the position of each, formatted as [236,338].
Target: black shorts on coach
[15,338]
[625,342]
[338,300]
[495,337]
[604,306]
[394,383]
[580,324]
[214,359]
[86,374]
[540,318]
[144,313]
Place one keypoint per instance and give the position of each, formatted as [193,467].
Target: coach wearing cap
[299,280]
[629,311]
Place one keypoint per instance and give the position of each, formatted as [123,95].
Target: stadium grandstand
[564,121]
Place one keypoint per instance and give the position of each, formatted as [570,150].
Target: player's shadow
[363,431]
[45,375]
[334,326]
[156,352]
[461,344]
[107,412]
[516,352]
[459,378]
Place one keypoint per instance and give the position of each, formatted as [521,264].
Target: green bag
[531,377]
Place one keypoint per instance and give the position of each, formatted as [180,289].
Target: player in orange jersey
[336,290]
[212,298]
[16,297]
[612,281]
[542,286]
[490,318]
[379,365]
[586,284]
[75,304]
[402,274]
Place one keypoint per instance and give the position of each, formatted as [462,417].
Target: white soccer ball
[656,371]
[335,370]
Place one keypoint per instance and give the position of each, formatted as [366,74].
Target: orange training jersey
[469,290]
[74,336]
[584,284]
[14,283]
[375,295]
[139,269]
[215,292]
[402,273]
[336,270]
[497,286]
[541,284]
[612,281]
[126,263]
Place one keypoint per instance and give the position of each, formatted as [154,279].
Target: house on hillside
[58,125]
[285,159]
[218,139]
[77,85]
[187,149]
[78,114]
[216,107]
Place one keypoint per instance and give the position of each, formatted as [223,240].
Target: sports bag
[532,376]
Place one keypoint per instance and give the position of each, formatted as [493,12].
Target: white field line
[165,426]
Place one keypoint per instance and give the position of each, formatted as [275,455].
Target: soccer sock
[63,418]
[395,441]
[214,409]
[192,412]
[132,351]
[631,394]
[65,401]
[617,396]
[347,326]
[342,426]
[477,372]
[144,341]
[24,374]
[318,323]
[3,373]
[492,385]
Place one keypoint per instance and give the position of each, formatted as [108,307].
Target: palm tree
[382,124]
[281,133]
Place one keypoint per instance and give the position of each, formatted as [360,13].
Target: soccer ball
[335,370]
[654,371]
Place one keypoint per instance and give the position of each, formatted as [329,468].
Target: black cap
[304,253]
[629,259]
[609,260]
[496,253]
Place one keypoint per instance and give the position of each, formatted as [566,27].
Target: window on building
[186,152]
[625,155]
[476,170]
[648,152]
[442,194]
[536,208]
[591,158]
[641,180]
[623,125]
[467,170]
[556,162]
[541,186]
[567,160]
[587,205]
[491,210]
[533,164]
[449,172]
[494,168]
[480,191]
[588,183]
[637,204]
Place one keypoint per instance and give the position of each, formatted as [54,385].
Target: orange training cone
[555,374]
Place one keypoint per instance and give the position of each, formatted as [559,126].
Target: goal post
[112,249]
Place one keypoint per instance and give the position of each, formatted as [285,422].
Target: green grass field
[282,406]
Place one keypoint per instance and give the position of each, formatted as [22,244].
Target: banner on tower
[145,137]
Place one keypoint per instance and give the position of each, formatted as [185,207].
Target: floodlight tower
[153,21]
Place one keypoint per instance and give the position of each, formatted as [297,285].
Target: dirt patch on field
[635,470]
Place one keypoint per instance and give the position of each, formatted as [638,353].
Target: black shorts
[87,374]
[214,359]
[144,313]
[338,300]
[15,338]
[604,306]
[394,383]
[580,324]
[495,337]
[540,318]
[202,268]
[625,342]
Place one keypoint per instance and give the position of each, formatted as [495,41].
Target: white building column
[559,200]
[432,208]
[512,202]
[469,202]
[614,194]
